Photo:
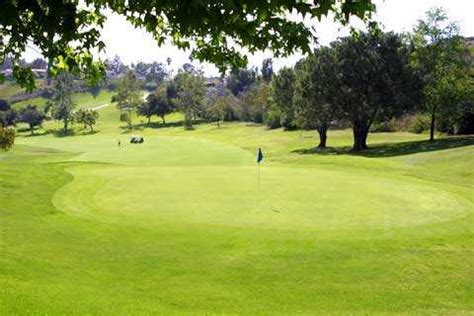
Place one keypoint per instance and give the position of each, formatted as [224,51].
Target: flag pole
[258,177]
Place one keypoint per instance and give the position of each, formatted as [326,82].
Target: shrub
[7,138]
[383,127]
[419,124]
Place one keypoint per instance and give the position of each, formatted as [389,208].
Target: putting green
[203,182]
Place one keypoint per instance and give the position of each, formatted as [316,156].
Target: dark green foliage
[128,96]
[267,70]
[7,114]
[466,119]
[281,94]
[7,138]
[31,116]
[241,80]
[315,89]
[375,82]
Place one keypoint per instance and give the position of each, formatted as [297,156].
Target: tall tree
[87,117]
[61,103]
[267,69]
[315,88]
[128,96]
[69,31]
[241,80]
[190,97]
[375,82]
[281,93]
[441,58]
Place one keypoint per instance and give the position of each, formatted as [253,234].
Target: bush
[419,123]
[272,119]
[383,127]
[7,138]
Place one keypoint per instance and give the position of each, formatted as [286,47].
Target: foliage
[254,103]
[190,99]
[241,80]
[315,87]
[31,116]
[87,117]
[375,82]
[126,117]
[440,59]
[7,138]
[267,70]
[7,114]
[61,104]
[281,94]
[128,95]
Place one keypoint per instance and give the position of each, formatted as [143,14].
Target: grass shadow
[393,149]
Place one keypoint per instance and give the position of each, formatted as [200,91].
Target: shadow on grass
[394,149]
[58,133]
[156,125]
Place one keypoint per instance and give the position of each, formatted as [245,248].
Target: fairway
[179,224]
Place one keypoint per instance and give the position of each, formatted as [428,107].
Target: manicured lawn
[178,225]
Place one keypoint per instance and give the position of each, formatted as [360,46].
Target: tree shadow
[393,149]
[156,125]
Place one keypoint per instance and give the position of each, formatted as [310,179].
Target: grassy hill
[179,224]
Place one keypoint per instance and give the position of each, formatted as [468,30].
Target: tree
[164,104]
[440,59]
[87,117]
[190,97]
[7,138]
[31,116]
[375,82]
[281,94]
[128,96]
[267,70]
[68,31]
[7,114]
[241,80]
[315,88]
[254,102]
[61,103]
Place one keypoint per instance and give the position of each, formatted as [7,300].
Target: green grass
[82,100]
[178,225]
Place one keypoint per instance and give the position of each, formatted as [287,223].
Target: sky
[134,45]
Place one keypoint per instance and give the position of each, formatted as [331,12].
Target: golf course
[181,224]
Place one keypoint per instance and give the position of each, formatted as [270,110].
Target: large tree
[315,89]
[8,115]
[190,96]
[375,82]
[31,116]
[443,62]
[241,80]
[61,103]
[68,31]
[129,96]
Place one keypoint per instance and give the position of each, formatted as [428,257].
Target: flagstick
[258,181]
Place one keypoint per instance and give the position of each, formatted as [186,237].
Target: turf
[179,225]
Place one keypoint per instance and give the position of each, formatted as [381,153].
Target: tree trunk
[322,137]
[149,119]
[32,129]
[92,128]
[432,126]
[66,122]
[163,118]
[360,131]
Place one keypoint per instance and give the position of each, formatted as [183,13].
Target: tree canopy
[67,32]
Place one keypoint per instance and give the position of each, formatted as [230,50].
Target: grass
[178,225]
[82,100]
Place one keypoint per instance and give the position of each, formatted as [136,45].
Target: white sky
[134,45]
